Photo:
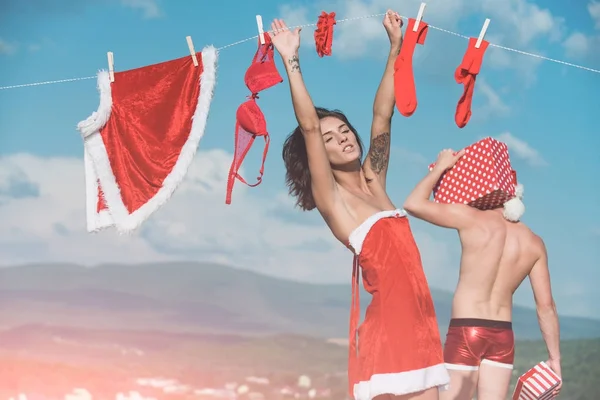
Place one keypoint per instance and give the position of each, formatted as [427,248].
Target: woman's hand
[393,26]
[285,41]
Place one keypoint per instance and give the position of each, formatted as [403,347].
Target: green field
[580,365]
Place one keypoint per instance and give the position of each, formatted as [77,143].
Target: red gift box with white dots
[483,178]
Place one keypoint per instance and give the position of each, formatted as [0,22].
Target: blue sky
[546,112]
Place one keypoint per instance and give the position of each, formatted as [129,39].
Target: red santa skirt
[143,137]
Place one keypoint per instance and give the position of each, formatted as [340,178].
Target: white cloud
[7,48]
[522,150]
[494,106]
[594,10]
[34,47]
[293,16]
[366,36]
[580,45]
[43,219]
[576,45]
[149,8]
[353,38]
[439,259]
[44,43]
[520,24]
[410,157]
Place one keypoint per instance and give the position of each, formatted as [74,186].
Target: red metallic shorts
[471,342]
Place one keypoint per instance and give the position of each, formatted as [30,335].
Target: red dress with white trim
[399,349]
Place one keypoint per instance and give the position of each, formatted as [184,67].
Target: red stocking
[404,81]
[466,73]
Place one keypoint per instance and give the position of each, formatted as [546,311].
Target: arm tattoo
[294,64]
[379,153]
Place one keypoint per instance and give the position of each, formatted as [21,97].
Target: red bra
[250,120]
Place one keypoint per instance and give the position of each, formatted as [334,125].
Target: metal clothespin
[192,50]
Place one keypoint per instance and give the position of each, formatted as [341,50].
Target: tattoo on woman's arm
[294,64]
[379,153]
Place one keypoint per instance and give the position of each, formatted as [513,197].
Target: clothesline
[568,64]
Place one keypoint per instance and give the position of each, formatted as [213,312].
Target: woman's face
[340,142]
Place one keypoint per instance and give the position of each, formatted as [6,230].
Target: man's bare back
[497,255]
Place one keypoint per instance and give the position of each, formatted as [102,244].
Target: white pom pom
[519,190]
[514,208]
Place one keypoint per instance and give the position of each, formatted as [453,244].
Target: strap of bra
[354,319]
[262,166]
[234,173]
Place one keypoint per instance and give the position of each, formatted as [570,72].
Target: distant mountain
[202,298]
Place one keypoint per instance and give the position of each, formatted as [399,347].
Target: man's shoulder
[526,230]
[541,245]
[536,242]
[524,234]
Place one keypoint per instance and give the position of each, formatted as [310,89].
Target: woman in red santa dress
[399,350]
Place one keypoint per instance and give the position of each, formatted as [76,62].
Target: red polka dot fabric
[482,178]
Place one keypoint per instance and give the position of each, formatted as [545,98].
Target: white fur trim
[401,383]
[496,364]
[358,235]
[460,367]
[519,190]
[99,118]
[97,165]
[515,208]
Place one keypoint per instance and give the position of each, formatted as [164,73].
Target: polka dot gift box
[482,178]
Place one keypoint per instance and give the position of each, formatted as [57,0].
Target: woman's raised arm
[323,184]
[376,163]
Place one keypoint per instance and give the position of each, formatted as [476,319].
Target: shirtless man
[497,255]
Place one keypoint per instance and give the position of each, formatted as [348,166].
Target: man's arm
[377,161]
[418,204]
[539,278]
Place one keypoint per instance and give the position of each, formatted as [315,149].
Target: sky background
[546,112]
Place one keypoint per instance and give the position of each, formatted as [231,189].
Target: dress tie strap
[354,319]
